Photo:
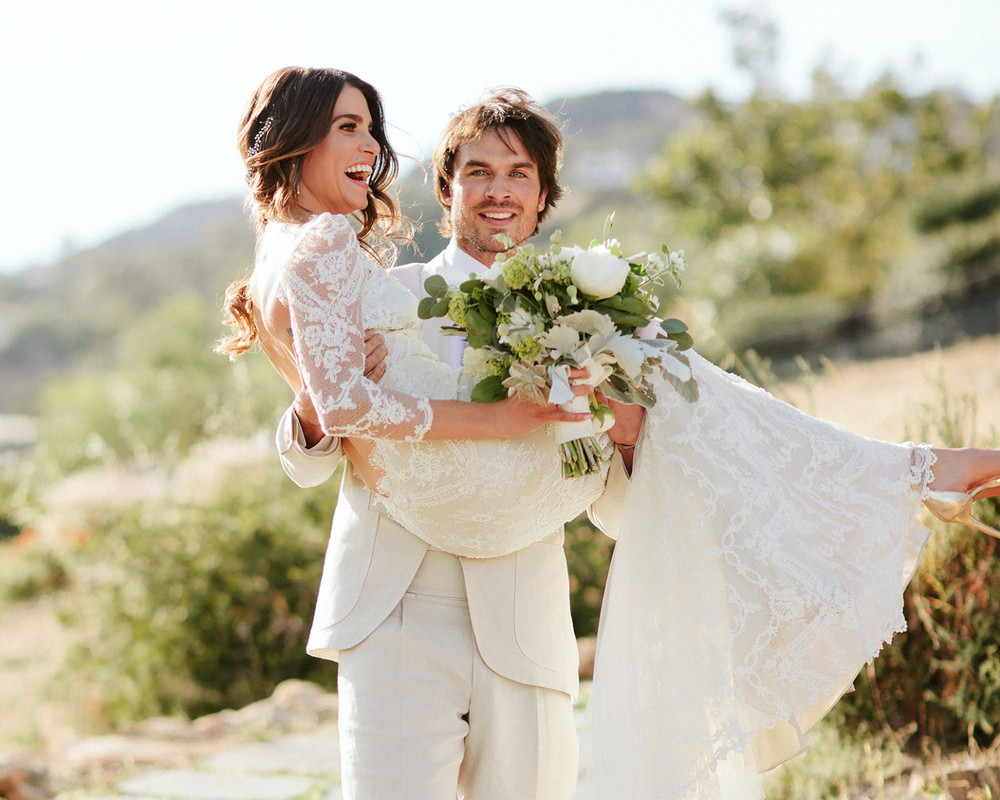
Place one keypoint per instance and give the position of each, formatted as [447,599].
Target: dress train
[760,565]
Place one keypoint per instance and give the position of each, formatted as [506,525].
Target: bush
[588,554]
[32,570]
[12,497]
[188,608]
[837,769]
[958,207]
[167,393]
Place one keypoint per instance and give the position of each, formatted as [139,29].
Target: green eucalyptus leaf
[673,325]
[439,308]
[435,285]
[480,330]
[425,308]
[489,390]
[684,340]
[627,322]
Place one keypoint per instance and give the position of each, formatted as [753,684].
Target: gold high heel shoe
[956,507]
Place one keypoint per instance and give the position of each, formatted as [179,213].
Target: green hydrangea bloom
[458,309]
[498,365]
[527,348]
[517,272]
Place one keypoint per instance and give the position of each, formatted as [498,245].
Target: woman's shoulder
[323,226]
[328,224]
[318,236]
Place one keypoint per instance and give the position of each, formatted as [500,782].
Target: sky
[115,112]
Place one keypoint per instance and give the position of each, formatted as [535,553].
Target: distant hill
[56,318]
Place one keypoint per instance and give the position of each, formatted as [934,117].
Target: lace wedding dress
[762,552]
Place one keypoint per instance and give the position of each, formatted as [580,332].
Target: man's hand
[625,431]
[304,409]
[375,353]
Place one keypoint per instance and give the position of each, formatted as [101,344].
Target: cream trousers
[423,718]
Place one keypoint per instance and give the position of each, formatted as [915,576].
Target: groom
[456,675]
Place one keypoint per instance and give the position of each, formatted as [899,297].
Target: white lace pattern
[322,284]
[760,565]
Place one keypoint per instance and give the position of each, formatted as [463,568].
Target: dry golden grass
[885,398]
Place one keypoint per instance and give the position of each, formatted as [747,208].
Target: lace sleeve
[322,282]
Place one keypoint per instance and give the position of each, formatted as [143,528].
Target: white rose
[598,272]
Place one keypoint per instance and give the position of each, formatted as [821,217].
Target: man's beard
[470,232]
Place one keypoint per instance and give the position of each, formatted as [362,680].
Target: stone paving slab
[316,753]
[106,797]
[192,784]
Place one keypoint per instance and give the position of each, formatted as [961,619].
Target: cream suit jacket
[518,603]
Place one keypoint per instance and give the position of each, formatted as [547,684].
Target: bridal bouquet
[536,313]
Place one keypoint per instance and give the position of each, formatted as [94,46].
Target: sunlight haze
[118,111]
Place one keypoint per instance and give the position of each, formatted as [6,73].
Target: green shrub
[958,207]
[166,392]
[190,608]
[10,524]
[588,554]
[32,570]
[838,768]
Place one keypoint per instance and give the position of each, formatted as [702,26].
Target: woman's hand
[458,419]
[516,417]
[304,409]
[962,469]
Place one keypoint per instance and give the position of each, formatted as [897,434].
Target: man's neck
[484,257]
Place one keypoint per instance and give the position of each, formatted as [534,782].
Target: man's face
[495,190]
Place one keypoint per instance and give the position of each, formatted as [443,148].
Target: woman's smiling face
[335,173]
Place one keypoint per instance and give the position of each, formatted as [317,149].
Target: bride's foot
[962,477]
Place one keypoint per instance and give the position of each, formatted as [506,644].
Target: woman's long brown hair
[288,115]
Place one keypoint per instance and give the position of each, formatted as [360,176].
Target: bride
[761,554]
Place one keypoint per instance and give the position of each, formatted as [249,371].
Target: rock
[293,706]
[18,782]
[176,728]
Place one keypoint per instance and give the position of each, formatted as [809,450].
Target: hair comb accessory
[260,137]
[255,147]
